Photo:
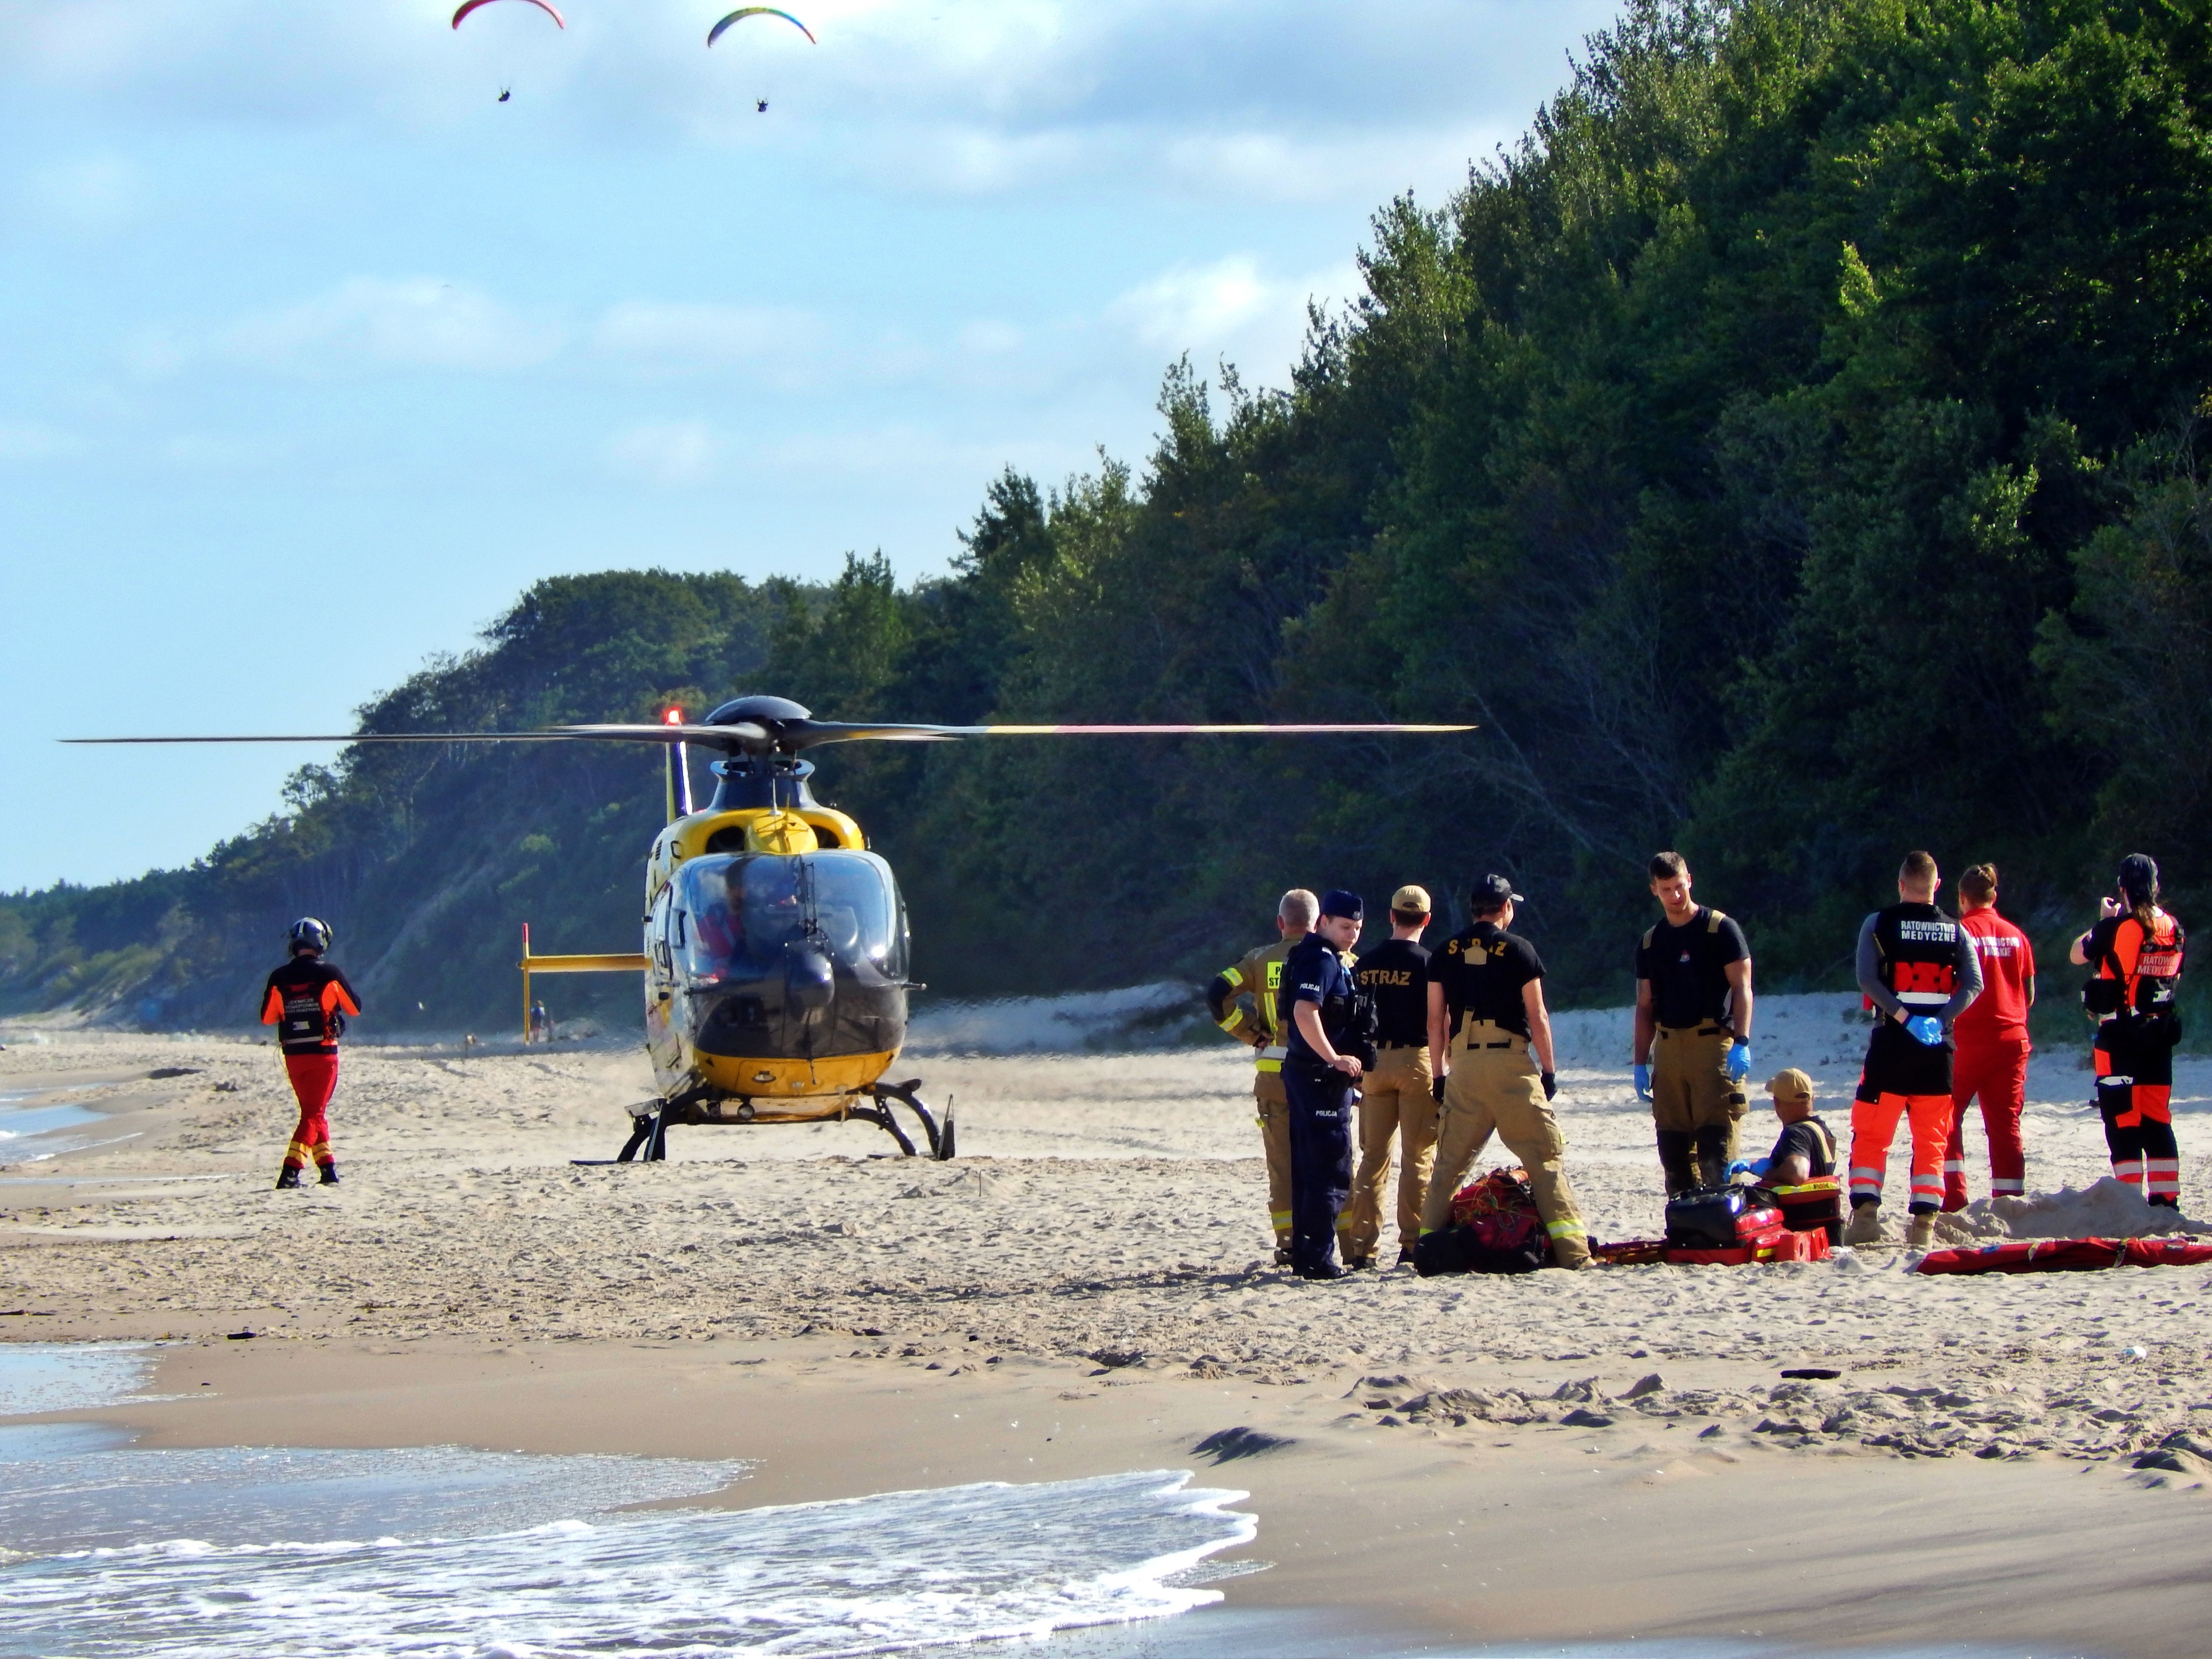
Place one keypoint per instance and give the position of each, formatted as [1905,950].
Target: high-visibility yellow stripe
[1234,1019]
[1233,976]
[1566,1230]
[1271,1065]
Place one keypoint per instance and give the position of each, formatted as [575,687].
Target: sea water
[22,1123]
[109,1548]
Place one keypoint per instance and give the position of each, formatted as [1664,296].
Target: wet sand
[1464,1459]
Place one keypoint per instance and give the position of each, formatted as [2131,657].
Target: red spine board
[2029,1256]
[1764,1247]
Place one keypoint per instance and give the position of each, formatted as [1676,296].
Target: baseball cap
[1492,893]
[1342,902]
[1792,1085]
[1410,899]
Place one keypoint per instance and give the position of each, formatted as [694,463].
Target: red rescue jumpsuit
[1991,1034]
[307,1000]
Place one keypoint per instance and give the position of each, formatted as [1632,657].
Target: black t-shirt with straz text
[1688,966]
[1482,970]
[1810,1138]
[1396,975]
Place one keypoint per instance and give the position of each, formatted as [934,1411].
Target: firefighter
[307,1000]
[1489,1040]
[1321,1076]
[2136,949]
[1920,970]
[1254,981]
[1692,1041]
[1801,1171]
[1395,1102]
[1992,1043]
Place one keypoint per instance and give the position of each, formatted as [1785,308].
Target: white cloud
[25,442]
[670,454]
[1192,307]
[667,338]
[414,322]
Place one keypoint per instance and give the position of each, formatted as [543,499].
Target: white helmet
[311,933]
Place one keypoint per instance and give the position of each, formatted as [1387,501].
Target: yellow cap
[1411,899]
[1792,1085]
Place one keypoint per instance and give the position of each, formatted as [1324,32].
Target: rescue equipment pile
[1495,1229]
[1730,1226]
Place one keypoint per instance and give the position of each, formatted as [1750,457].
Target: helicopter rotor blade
[352,736]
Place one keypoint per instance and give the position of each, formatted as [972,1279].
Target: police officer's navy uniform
[1257,981]
[1494,1084]
[1321,1103]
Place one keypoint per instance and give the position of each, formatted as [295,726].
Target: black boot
[286,1177]
[330,1175]
[1674,1161]
[1712,1156]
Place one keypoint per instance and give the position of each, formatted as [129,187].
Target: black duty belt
[1700,1031]
[1387,1045]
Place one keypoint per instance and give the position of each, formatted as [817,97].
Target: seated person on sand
[1801,1171]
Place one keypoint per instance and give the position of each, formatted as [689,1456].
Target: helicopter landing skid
[648,1135]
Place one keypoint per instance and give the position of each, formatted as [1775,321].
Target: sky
[314,354]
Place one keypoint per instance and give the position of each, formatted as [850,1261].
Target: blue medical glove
[1643,1083]
[1750,1166]
[1926,1028]
[1738,1060]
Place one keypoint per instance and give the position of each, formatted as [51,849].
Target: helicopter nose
[809,983]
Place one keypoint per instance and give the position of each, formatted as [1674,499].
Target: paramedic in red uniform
[1992,1041]
[1920,970]
[307,1000]
[2136,949]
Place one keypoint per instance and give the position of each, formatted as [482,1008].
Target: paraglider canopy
[742,12]
[468,6]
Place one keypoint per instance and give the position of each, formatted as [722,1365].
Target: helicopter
[776,944]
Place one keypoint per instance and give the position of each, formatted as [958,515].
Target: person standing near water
[307,1000]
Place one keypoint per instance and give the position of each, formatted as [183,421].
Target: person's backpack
[1495,1230]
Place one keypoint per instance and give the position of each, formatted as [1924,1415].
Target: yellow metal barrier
[608,963]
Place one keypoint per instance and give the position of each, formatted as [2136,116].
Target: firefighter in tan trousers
[1256,980]
[1397,1102]
[1488,1022]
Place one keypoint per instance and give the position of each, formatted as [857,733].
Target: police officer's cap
[1491,893]
[1342,902]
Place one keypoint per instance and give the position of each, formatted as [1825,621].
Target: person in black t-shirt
[1693,1001]
[1801,1171]
[1491,1038]
[1395,1102]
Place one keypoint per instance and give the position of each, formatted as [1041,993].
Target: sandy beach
[2017,1463]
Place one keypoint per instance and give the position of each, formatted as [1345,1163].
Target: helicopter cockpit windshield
[736,917]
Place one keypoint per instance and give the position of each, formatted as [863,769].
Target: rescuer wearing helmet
[1693,1001]
[1487,1017]
[1254,981]
[1321,1075]
[1993,1045]
[1919,970]
[2136,949]
[1396,1102]
[308,1001]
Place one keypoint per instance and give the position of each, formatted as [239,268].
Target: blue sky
[312,355]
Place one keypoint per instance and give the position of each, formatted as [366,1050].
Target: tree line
[1787,451]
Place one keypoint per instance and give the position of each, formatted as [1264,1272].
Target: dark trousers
[1321,1160]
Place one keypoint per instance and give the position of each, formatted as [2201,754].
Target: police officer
[1486,1015]
[1693,1002]
[1919,970]
[1395,1101]
[1256,980]
[1321,1073]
